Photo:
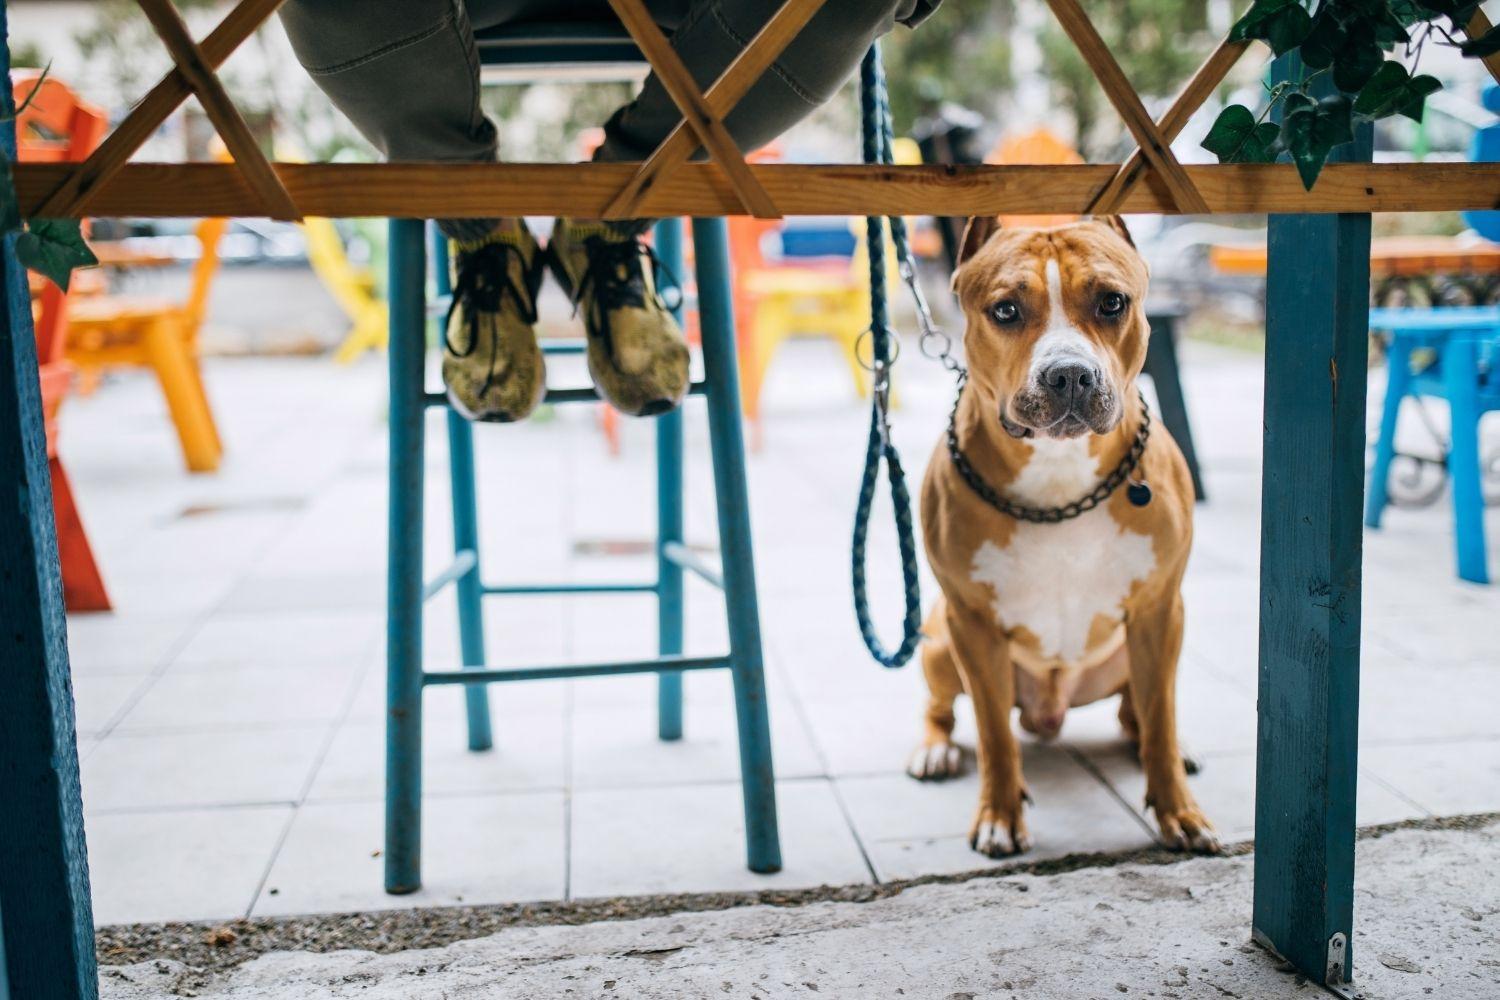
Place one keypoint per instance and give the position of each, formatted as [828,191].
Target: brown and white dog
[1046,616]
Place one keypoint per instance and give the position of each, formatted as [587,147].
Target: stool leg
[1166,379]
[468,589]
[1398,377]
[1461,382]
[711,248]
[669,520]
[403,721]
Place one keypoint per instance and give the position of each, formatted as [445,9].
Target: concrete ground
[230,709]
[1176,931]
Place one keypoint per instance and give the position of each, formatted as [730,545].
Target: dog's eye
[1006,312]
[1112,304]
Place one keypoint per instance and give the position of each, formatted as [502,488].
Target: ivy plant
[1346,41]
[51,247]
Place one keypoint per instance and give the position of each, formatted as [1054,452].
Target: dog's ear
[978,231]
[1117,223]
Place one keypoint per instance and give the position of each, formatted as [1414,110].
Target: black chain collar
[1139,492]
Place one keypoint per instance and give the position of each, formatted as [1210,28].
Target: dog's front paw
[999,833]
[1185,828]
[936,762]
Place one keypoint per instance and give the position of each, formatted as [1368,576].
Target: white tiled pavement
[230,710]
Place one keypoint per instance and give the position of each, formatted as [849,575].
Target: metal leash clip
[880,391]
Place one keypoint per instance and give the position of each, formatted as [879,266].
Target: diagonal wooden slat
[1127,102]
[683,90]
[1198,89]
[732,85]
[220,109]
[1478,26]
[84,180]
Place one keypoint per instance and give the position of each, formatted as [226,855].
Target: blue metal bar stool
[410,399]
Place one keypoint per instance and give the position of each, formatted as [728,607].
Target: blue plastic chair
[532,45]
[1464,369]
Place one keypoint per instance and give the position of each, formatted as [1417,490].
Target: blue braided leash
[877,134]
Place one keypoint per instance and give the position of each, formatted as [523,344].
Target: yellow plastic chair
[778,301]
[353,287]
[110,331]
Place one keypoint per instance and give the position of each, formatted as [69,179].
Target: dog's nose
[1070,378]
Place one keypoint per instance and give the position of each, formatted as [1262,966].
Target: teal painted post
[726,437]
[468,590]
[1317,309]
[44,877]
[403,721]
[669,520]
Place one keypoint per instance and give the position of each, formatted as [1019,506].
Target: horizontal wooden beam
[486,190]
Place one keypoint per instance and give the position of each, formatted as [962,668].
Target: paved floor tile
[475,849]
[188,864]
[214,768]
[529,753]
[282,639]
[911,827]
[240,696]
[1446,779]
[643,840]
[99,699]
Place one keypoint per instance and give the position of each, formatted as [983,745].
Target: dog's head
[1056,327]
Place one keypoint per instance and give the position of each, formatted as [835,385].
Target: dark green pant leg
[809,72]
[405,72]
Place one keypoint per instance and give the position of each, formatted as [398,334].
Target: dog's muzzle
[1067,397]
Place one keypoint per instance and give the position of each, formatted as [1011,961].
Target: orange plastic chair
[1041,146]
[56,127]
[160,334]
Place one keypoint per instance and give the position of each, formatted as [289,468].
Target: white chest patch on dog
[1054,579]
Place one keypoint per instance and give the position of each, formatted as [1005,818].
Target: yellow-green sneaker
[636,352]
[492,365]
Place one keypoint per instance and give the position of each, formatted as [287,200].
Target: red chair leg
[83,587]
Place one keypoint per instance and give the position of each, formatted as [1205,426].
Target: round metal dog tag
[1138,493]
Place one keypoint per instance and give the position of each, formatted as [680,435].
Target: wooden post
[44,882]
[1317,323]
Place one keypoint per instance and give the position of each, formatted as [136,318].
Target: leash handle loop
[875,119]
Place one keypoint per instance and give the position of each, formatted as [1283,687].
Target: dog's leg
[982,654]
[1154,637]
[1132,730]
[938,757]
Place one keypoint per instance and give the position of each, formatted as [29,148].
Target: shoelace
[615,275]
[484,280]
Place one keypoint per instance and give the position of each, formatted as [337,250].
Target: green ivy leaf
[1310,132]
[1325,41]
[1282,24]
[1486,44]
[1236,137]
[1358,59]
[1457,11]
[54,247]
[1393,91]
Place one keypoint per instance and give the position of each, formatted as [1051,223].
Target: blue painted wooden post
[669,597]
[44,878]
[1317,318]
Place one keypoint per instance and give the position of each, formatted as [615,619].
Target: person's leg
[406,73]
[636,351]
[806,74]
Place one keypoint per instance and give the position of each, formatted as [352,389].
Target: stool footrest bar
[570,394]
[521,589]
[681,555]
[463,562]
[495,675]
